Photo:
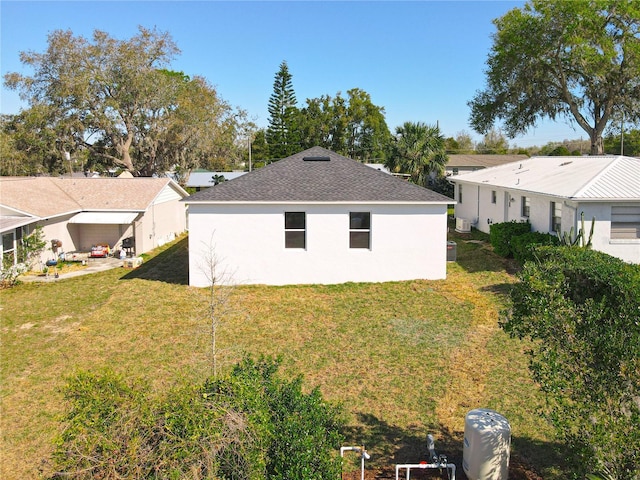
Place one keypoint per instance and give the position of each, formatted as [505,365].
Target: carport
[91,228]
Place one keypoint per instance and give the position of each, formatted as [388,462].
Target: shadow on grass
[528,457]
[169,266]
[479,257]
[501,290]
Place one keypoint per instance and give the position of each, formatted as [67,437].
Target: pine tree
[281,132]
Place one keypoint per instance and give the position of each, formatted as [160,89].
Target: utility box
[487,440]
[451,251]
[133,262]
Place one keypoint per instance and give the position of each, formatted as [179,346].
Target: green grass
[403,358]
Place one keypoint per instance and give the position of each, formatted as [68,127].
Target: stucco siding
[160,224]
[627,250]
[508,207]
[407,242]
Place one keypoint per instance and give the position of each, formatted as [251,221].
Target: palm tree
[419,151]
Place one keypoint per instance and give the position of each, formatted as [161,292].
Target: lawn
[403,358]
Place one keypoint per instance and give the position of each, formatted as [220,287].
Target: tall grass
[403,358]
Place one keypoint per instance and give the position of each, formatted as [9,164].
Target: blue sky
[420,60]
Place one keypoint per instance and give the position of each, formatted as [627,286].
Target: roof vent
[565,163]
[324,158]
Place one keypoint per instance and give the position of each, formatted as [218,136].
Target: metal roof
[579,178]
[205,179]
[336,179]
[481,160]
[104,218]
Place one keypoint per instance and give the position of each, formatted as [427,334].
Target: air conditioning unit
[463,225]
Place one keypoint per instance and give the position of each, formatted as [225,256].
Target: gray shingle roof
[339,179]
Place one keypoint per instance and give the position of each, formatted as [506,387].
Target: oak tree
[578,61]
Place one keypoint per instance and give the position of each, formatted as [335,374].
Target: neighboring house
[553,192]
[202,180]
[82,212]
[459,163]
[316,218]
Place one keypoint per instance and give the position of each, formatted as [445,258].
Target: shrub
[501,234]
[523,246]
[249,425]
[581,308]
[299,432]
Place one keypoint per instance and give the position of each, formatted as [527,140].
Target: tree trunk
[597,145]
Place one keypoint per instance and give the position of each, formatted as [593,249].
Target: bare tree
[220,287]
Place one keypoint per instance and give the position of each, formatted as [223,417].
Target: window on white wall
[360,230]
[556,216]
[295,229]
[494,196]
[459,193]
[526,206]
[625,222]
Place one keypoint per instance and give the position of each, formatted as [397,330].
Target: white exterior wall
[165,218]
[627,249]
[407,242]
[58,229]
[540,216]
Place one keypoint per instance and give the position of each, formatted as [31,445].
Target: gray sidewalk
[93,265]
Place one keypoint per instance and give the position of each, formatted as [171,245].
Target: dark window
[526,206]
[360,230]
[295,224]
[556,216]
[8,257]
[493,196]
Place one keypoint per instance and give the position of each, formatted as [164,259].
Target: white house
[207,179]
[81,212]
[553,192]
[460,163]
[316,217]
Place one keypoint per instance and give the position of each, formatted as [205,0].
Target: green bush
[523,246]
[581,308]
[501,234]
[249,425]
[300,432]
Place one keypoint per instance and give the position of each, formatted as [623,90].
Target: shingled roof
[317,175]
[50,196]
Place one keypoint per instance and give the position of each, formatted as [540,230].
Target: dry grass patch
[403,358]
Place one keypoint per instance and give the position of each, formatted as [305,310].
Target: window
[556,216]
[493,196]
[295,224]
[360,230]
[8,250]
[459,193]
[625,223]
[526,206]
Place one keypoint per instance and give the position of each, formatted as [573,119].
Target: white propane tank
[487,439]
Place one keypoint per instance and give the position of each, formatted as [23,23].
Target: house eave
[315,202]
